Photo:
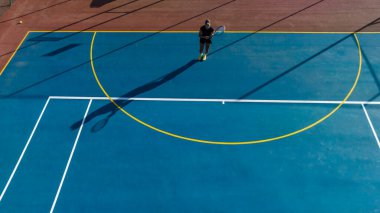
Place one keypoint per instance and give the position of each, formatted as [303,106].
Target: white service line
[217,100]
[370,123]
[71,156]
[23,151]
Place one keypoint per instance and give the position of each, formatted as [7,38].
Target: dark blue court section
[39,73]
[120,165]
[18,117]
[40,172]
[126,167]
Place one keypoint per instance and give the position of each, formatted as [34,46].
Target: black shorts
[204,40]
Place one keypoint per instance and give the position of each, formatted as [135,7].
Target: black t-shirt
[206,32]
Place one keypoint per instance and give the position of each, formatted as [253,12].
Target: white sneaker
[200,56]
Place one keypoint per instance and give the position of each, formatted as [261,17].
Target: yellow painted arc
[230,142]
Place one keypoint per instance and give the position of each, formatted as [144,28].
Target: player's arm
[212,33]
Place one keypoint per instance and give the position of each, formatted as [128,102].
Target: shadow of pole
[123,100]
[302,62]
[153,34]
[373,73]
[374,97]
[265,27]
[293,68]
[38,38]
[114,50]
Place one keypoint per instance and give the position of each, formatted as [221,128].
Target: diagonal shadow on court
[211,53]
[293,68]
[112,109]
[43,37]
[373,73]
[61,50]
[38,38]
[109,20]
[305,61]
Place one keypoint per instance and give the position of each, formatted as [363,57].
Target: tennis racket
[220,30]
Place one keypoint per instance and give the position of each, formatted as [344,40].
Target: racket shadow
[101,124]
[111,109]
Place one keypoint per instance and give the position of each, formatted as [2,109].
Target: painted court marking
[23,151]
[169,31]
[217,100]
[226,142]
[70,158]
[14,53]
[371,125]
[362,103]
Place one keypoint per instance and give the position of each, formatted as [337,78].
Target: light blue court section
[227,122]
[368,88]
[127,167]
[38,176]
[374,116]
[239,66]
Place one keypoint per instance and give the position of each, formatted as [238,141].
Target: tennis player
[206,32]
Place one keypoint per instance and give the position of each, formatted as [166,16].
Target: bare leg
[201,48]
[207,47]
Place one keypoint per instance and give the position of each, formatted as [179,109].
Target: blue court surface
[270,122]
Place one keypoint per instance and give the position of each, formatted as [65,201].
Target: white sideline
[23,151]
[71,156]
[371,125]
[217,100]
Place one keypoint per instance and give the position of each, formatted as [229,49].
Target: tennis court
[131,121]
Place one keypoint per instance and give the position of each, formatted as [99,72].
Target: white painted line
[370,123]
[217,100]
[23,151]
[71,156]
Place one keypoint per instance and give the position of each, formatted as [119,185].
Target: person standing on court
[205,34]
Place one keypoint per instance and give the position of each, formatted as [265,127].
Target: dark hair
[207,21]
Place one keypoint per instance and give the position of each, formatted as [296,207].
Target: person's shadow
[112,109]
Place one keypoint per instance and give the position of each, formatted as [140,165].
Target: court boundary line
[24,150]
[168,31]
[70,158]
[195,31]
[371,125]
[217,100]
[14,53]
[173,31]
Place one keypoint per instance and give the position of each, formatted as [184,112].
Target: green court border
[229,142]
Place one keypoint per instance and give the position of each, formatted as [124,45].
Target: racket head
[220,30]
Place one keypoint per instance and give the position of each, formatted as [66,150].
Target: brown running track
[170,15]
